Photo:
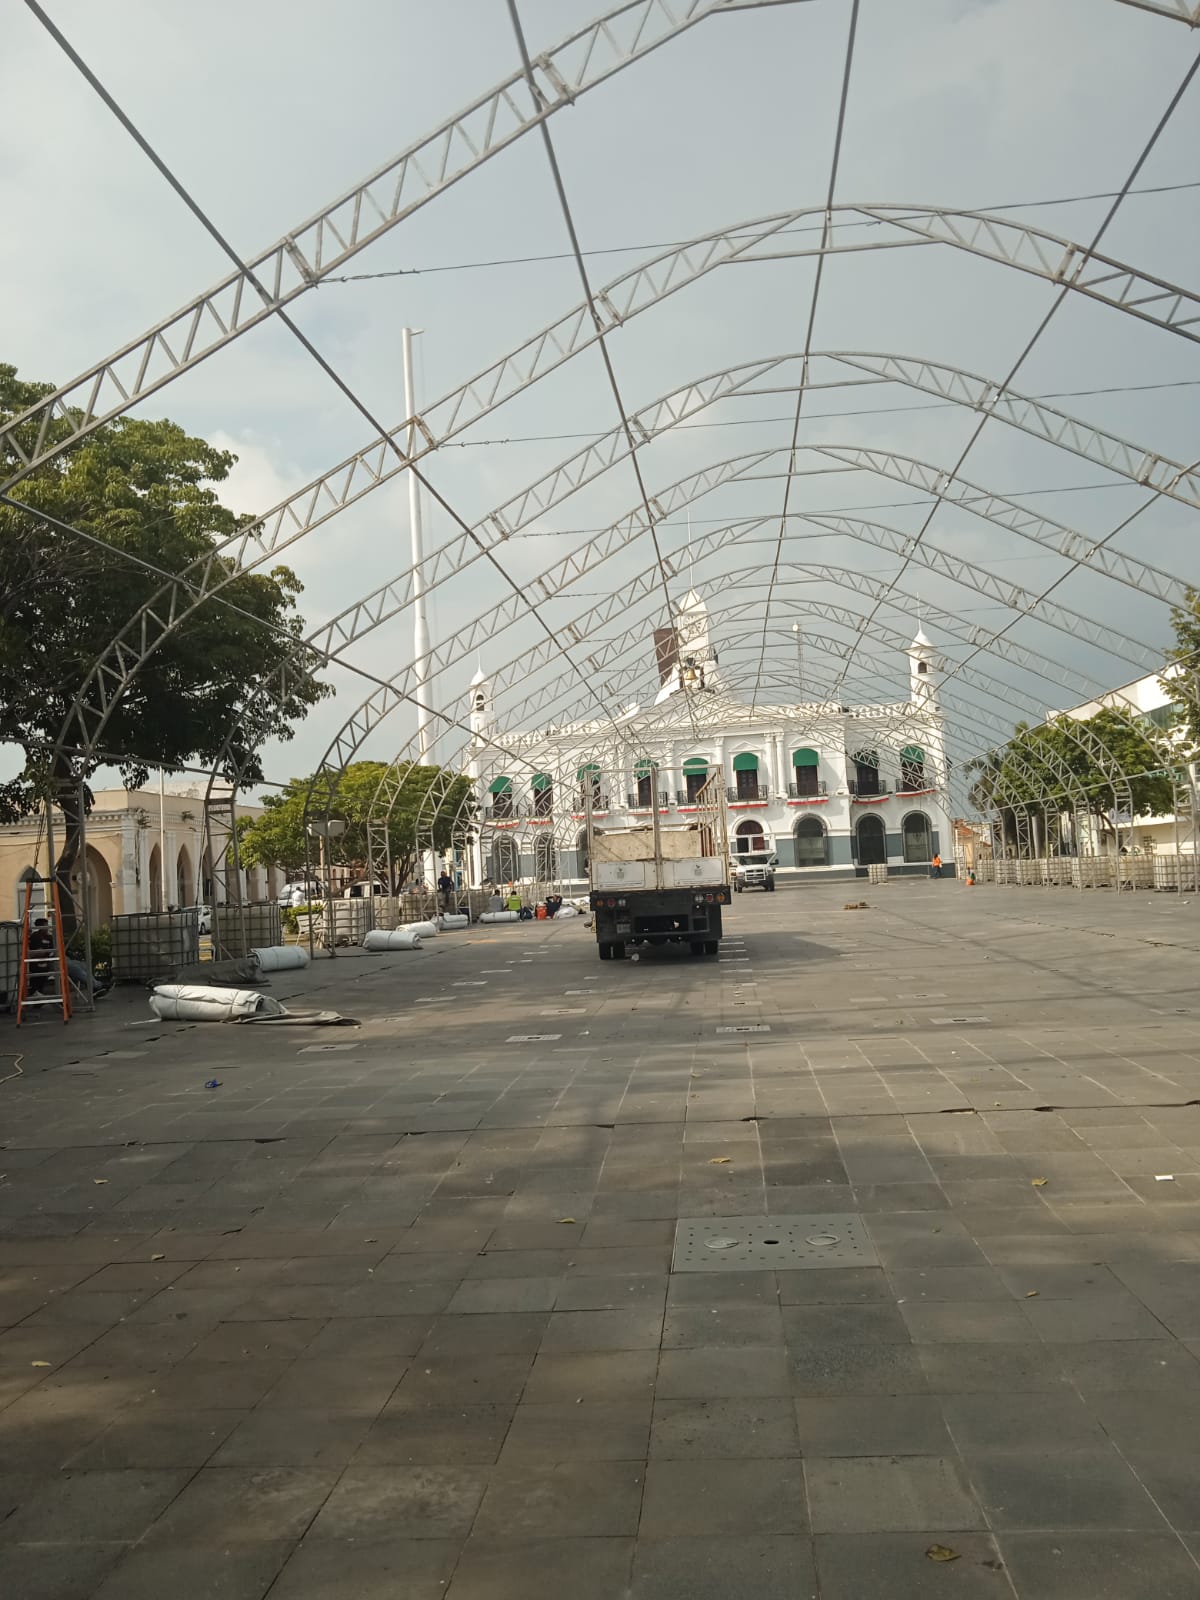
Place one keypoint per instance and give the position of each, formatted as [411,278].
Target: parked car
[362,890]
[204,919]
[754,869]
[300,894]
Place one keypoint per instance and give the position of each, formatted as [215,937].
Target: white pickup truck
[754,870]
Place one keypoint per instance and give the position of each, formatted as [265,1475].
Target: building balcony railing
[758,791]
[869,788]
[807,791]
[506,811]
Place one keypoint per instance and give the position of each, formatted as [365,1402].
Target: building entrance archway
[872,842]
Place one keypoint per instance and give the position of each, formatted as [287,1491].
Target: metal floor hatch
[741,1244]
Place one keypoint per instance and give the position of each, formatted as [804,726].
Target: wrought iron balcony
[869,788]
[807,791]
[759,791]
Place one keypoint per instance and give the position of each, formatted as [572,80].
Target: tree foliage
[1184,686]
[141,493]
[1095,766]
[434,809]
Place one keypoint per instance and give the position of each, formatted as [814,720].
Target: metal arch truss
[1056,260]
[1186,11]
[336,233]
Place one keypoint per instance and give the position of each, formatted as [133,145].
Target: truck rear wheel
[618,951]
[605,952]
[698,947]
[711,947]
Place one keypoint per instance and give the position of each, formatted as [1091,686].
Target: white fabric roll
[501,916]
[392,939]
[186,1002]
[452,919]
[425,929]
[281,957]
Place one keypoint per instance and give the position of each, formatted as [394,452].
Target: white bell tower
[482,718]
[922,673]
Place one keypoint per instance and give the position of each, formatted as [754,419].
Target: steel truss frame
[1056,260]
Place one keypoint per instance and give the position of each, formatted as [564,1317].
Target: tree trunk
[68,863]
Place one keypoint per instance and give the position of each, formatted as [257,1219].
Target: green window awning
[540,781]
[590,771]
[500,786]
[645,768]
[912,752]
[695,764]
[805,758]
[745,762]
[865,758]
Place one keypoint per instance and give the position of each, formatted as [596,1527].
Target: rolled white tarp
[567,910]
[187,1002]
[392,939]
[452,919]
[424,930]
[500,916]
[281,957]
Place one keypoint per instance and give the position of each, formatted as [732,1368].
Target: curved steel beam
[338,231]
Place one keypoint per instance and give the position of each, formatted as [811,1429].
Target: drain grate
[532,1038]
[747,1027]
[740,1244]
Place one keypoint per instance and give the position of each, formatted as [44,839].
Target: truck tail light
[610,902]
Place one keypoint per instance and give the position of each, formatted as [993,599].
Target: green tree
[433,807]
[142,490]
[1184,686]
[1098,764]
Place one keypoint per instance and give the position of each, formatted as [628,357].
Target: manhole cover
[741,1244]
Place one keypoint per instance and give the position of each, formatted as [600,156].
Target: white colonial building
[831,788]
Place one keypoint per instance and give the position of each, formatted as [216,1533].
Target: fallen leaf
[720,1161]
[39,1363]
[1031,1294]
[1038,1183]
[1164,1177]
[563,1220]
[99,1180]
[161,1256]
[941,1552]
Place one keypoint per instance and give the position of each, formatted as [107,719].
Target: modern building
[832,789]
[131,833]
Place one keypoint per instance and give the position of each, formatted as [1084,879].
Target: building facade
[131,833]
[832,789]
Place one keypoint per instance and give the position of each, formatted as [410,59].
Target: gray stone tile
[368,1569]
[845,1286]
[545,1569]
[883,1494]
[694,1429]
[244,1572]
[579,1430]
[874,1425]
[991,1368]
[1161,1422]
[720,1498]
[476,1295]
[567,1331]
[578,1499]
[914,1285]
[1016,1423]
[397,1502]
[738,1567]
[749,1372]
[618,1292]
[863,1566]
[1096,1317]
[838,1368]
[258,1341]
[368,1339]
[58,1571]
[221,1506]
[1101,1566]
[95,1506]
[484,1333]
[967,1322]
[721,1325]
[862,1324]
[1031,1492]
[280,1437]
[461,1380]
[149,1438]
[353,1384]
[1113,1364]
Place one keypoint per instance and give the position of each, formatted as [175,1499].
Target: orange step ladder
[43,977]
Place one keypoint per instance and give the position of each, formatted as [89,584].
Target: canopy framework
[868,602]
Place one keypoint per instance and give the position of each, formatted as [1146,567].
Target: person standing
[935,866]
[445,885]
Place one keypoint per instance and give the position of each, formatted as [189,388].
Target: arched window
[184,895]
[506,863]
[695,776]
[500,790]
[812,843]
[805,763]
[156,884]
[918,838]
[912,768]
[543,794]
[872,841]
[749,836]
[745,775]
[545,858]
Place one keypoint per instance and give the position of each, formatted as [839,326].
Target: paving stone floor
[390,1312]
